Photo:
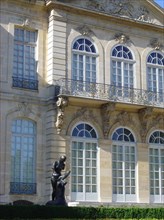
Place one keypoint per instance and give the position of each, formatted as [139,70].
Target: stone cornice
[7,96]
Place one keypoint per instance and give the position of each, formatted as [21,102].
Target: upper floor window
[155,76]
[23,152]
[122,70]
[24,61]
[83,64]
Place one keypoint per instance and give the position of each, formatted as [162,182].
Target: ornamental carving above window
[123,8]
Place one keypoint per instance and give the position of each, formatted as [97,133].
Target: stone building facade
[84,79]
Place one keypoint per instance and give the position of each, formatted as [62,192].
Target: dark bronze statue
[58,182]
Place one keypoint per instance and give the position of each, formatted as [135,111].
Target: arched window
[83,64]
[84,130]
[23,152]
[123,166]
[155,76]
[156,166]
[84,163]
[122,71]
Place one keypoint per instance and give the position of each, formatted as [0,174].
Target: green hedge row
[47,212]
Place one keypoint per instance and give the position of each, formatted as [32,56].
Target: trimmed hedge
[52,212]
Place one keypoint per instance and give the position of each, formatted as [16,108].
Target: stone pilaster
[56,47]
[105,171]
[143,173]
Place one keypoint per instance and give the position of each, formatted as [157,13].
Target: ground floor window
[84,163]
[23,152]
[156,167]
[123,166]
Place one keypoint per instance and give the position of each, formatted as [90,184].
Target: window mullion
[122,73]
[77,74]
[157,80]
[160,177]
[123,169]
[84,170]
[84,68]
[21,159]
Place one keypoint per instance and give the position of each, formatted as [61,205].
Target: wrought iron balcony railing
[108,93]
[22,188]
[25,83]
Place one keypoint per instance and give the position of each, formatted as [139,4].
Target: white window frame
[123,61]
[24,58]
[156,173]
[81,82]
[124,196]
[153,79]
[23,157]
[84,195]
[120,87]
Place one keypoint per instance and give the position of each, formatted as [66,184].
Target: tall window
[123,166]
[24,66]
[155,76]
[83,65]
[84,163]
[122,71]
[23,152]
[156,166]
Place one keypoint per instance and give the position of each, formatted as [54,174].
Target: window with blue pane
[84,130]
[23,153]
[123,134]
[84,163]
[83,65]
[155,76]
[123,166]
[122,71]
[24,61]
[156,166]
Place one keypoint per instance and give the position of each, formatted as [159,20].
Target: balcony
[106,92]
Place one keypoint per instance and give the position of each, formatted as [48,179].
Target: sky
[160,2]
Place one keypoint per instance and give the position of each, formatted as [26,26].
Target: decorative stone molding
[24,109]
[124,118]
[121,38]
[123,8]
[143,15]
[156,45]
[145,116]
[114,7]
[85,114]
[26,23]
[85,30]
[39,2]
[157,121]
[61,103]
[160,121]
[106,112]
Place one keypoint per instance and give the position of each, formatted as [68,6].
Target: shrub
[47,212]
